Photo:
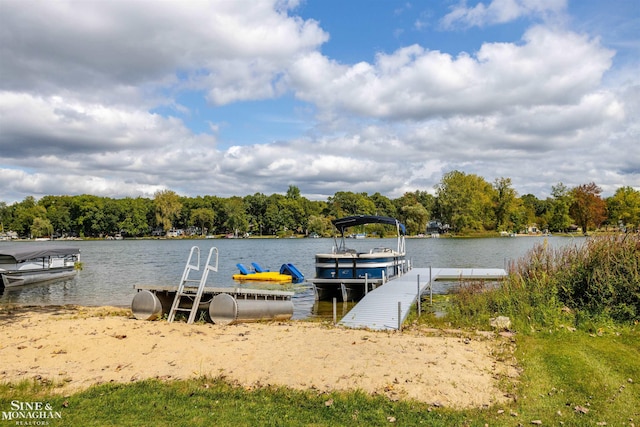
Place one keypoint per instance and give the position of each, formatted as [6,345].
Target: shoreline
[76,347]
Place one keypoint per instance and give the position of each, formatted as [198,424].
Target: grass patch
[580,378]
[207,401]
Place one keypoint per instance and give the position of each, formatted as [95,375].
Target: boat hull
[350,276]
[27,277]
[266,276]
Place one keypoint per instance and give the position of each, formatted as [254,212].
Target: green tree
[5,216]
[587,207]
[236,217]
[203,217]
[624,207]
[505,204]
[282,215]
[135,219]
[558,208]
[58,213]
[465,201]
[320,225]
[168,207]
[256,208]
[345,203]
[293,192]
[533,211]
[24,214]
[384,205]
[41,228]
[415,218]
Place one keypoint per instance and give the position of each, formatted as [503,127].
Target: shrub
[598,280]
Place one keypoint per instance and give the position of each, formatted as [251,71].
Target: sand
[77,347]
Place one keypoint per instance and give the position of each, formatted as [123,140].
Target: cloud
[119,51]
[549,68]
[500,12]
[92,100]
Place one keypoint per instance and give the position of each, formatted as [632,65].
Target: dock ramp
[387,306]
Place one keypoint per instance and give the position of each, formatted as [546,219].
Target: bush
[603,278]
[596,281]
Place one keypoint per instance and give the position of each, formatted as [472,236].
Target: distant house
[8,235]
[436,227]
[175,232]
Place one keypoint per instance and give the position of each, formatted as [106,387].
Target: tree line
[466,203]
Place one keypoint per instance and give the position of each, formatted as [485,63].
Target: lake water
[112,268]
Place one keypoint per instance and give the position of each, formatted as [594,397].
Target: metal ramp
[192,293]
[387,306]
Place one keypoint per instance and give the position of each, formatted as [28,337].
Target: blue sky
[227,98]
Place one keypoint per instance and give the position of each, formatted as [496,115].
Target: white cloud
[82,80]
[499,12]
[115,51]
[548,68]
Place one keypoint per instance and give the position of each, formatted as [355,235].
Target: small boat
[348,274]
[29,263]
[288,273]
[267,276]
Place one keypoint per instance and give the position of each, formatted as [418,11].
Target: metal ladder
[191,292]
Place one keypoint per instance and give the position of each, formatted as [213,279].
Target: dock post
[419,298]
[335,315]
[366,283]
[344,292]
[399,316]
[430,288]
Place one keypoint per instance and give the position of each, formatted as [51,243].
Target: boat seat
[258,268]
[243,269]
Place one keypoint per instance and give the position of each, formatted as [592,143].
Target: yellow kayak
[266,276]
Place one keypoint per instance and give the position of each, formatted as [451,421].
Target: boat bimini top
[350,221]
[29,251]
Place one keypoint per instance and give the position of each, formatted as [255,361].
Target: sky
[236,97]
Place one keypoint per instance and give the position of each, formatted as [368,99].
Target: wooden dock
[387,306]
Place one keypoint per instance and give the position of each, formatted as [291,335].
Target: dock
[224,305]
[387,306]
[213,291]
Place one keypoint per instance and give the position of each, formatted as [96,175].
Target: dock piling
[335,311]
[419,297]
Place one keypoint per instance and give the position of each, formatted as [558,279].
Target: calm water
[112,268]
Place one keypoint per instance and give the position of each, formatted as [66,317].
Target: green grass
[565,370]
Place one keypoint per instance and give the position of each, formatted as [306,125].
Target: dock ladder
[192,293]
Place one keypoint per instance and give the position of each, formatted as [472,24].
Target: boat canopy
[350,221]
[31,251]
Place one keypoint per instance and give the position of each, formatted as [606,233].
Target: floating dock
[387,306]
[224,305]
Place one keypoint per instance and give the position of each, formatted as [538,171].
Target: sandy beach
[77,347]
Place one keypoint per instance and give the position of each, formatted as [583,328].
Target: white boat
[350,274]
[28,263]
